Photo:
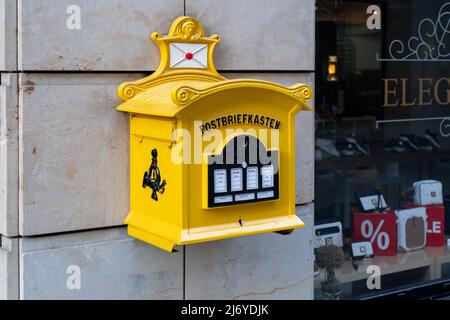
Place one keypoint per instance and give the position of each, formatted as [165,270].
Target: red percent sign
[381,237]
[378,228]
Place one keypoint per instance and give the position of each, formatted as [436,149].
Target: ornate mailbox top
[186,74]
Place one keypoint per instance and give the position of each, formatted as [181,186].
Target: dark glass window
[382,124]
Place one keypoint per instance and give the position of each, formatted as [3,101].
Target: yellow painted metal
[177,98]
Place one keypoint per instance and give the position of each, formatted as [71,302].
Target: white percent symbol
[367,232]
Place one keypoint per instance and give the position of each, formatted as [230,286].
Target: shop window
[383,129]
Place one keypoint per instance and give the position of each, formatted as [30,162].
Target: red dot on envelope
[188,55]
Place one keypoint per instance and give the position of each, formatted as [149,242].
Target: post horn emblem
[152,177]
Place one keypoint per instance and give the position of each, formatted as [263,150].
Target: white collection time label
[265,194]
[252,178]
[220,180]
[244,197]
[236,179]
[267,176]
[223,199]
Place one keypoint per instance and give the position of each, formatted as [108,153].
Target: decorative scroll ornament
[184,96]
[444,127]
[130,90]
[304,93]
[432,42]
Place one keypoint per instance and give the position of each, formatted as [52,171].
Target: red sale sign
[378,228]
[435,222]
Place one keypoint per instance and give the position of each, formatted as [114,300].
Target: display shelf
[352,162]
[431,258]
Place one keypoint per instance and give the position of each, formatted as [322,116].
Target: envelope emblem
[188,55]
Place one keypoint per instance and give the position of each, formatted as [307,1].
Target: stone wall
[64,150]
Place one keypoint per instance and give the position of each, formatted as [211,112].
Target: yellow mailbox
[210,158]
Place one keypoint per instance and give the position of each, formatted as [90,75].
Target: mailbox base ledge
[282,225]
[196,235]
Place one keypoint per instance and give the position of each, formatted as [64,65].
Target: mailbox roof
[157,100]
[169,98]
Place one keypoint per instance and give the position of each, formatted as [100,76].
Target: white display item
[361,250]
[373,202]
[411,229]
[427,192]
[328,234]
